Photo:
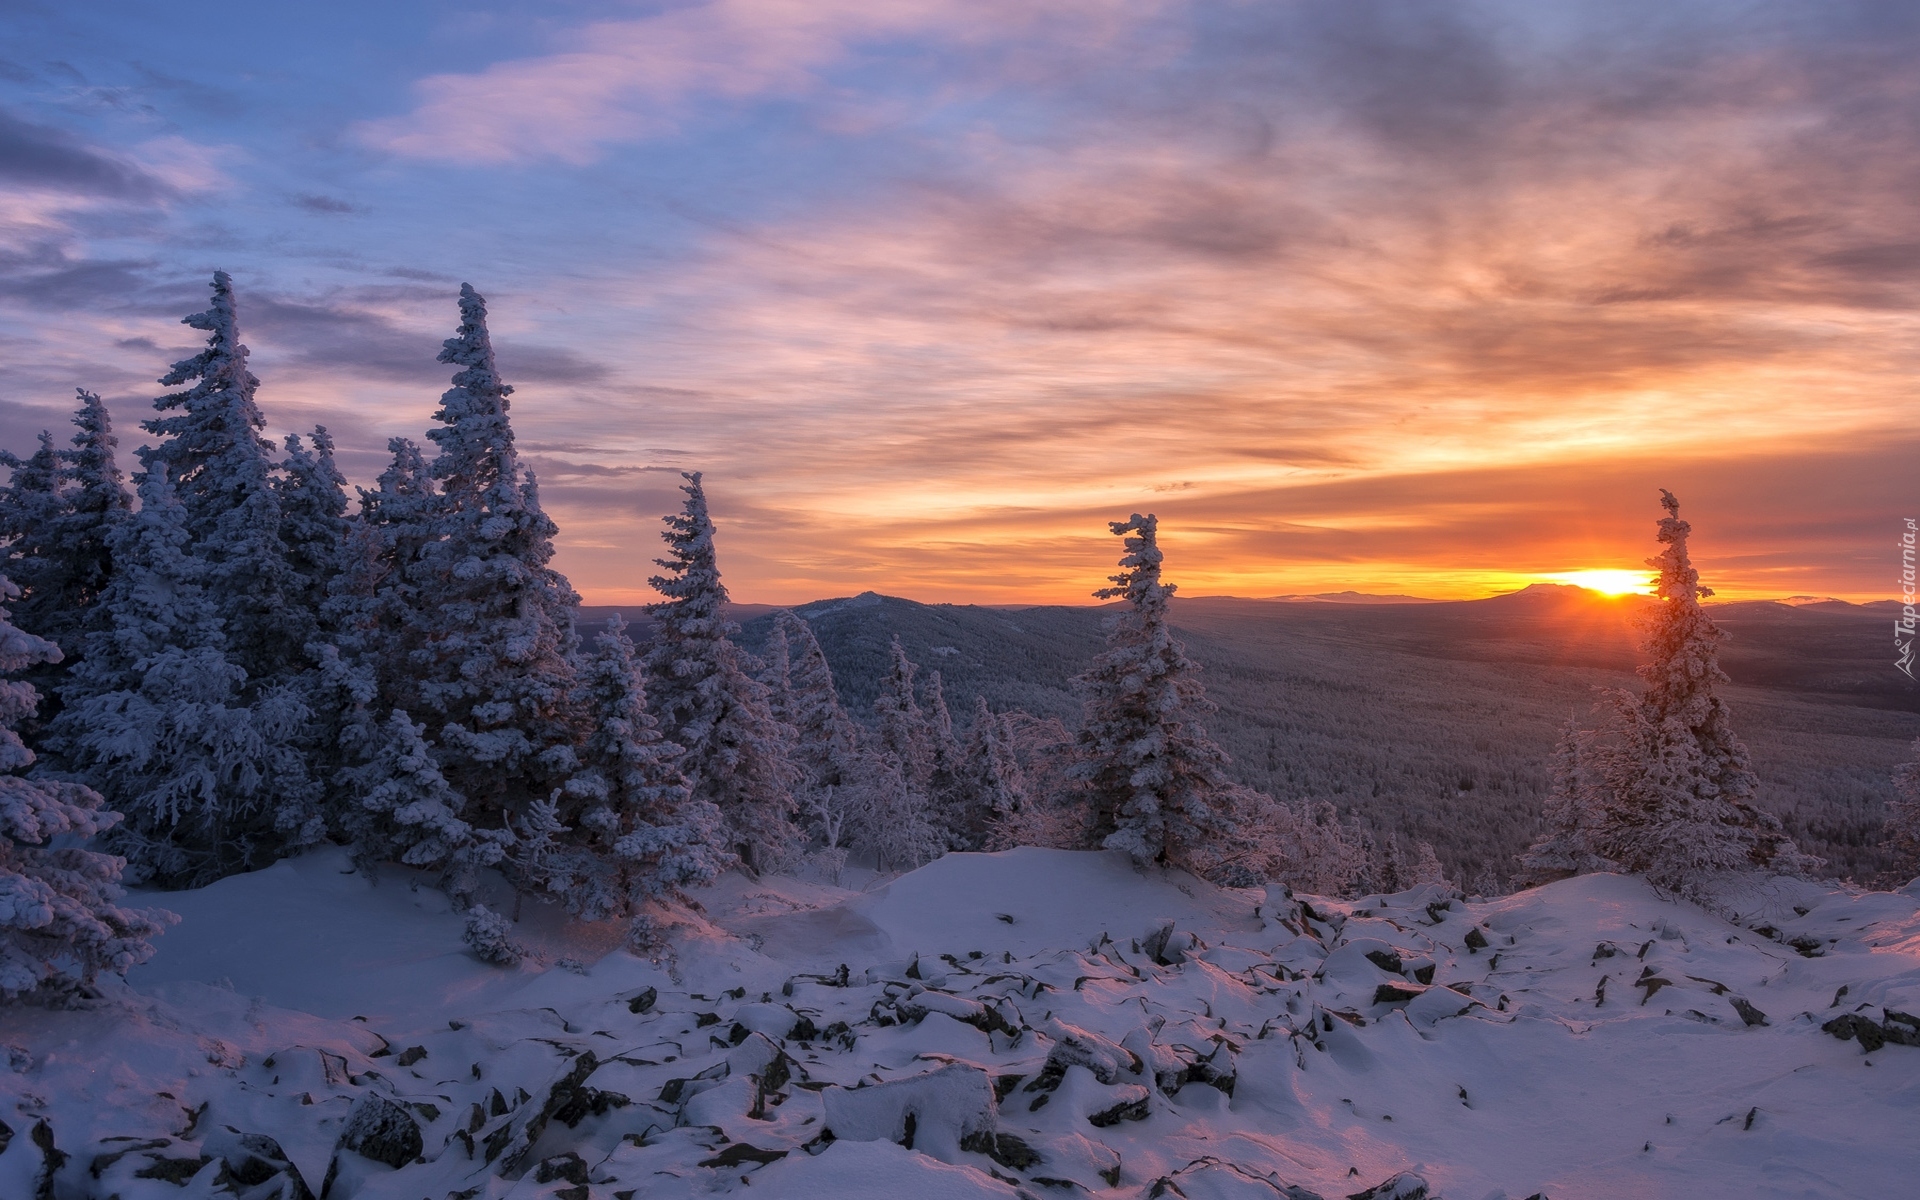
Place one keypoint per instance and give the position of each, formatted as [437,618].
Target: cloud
[339,336]
[41,157]
[325,205]
[625,81]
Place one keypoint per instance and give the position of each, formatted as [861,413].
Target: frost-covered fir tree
[488,637]
[902,732]
[1902,830]
[313,515]
[1573,813]
[1679,807]
[61,922]
[639,833]
[776,674]
[222,472]
[999,788]
[97,500]
[31,506]
[55,517]
[837,776]
[210,780]
[405,811]
[737,756]
[828,743]
[948,789]
[1157,782]
[371,601]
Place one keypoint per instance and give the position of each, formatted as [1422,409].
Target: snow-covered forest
[233,670]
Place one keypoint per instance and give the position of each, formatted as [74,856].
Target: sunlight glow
[1609,580]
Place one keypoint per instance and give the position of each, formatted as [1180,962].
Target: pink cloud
[626,81]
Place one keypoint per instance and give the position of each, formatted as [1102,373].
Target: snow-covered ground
[1034,1022]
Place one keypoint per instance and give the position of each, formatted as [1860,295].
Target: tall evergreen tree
[489,640]
[372,602]
[903,733]
[55,517]
[211,780]
[1157,781]
[999,787]
[737,755]
[61,923]
[776,674]
[31,507]
[222,471]
[97,502]
[313,515]
[639,833]
[1680,787]
[827,745]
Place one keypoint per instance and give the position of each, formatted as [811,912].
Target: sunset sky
[1419,297]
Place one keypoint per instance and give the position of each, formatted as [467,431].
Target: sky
[1416,297]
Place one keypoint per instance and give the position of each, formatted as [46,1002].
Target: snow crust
[1591,1039]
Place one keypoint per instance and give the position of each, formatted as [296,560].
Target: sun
[1609,581]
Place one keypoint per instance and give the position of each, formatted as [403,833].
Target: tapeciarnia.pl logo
[1903,625]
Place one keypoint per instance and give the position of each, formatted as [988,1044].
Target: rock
[643,1002]
[412,1055]
[1131,1102]
[740,1153]
[1899,1028]
[568,1166]
[1436,1004]
[1386,960]
[382,1131]
[1404,1186]
[1167,947]
[936,1110]
[558,1094]
[1748,1013]
[1003,1148]
[1476,941]
[1076,1047]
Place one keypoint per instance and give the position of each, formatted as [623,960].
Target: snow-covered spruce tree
[902,732]
[97,500]
[488,640]
[895,824]
[1679,807]
[638,833]
[61,923]
[948,789]
[776,674]
[222,471]
[313,515]
[403,810]
[736,755]
[1573,812]
[371,602]
[827,747]
[1157,782]
[999,788]
[210,780]
[1902,830]
[31,506]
